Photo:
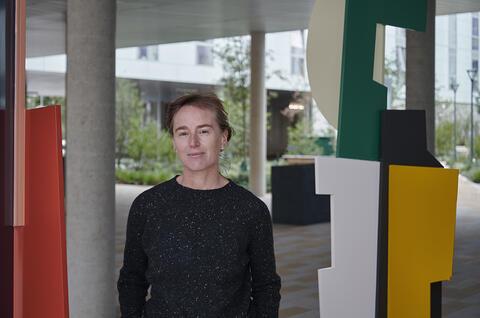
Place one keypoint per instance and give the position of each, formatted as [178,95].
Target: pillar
[420,74]
[258,115]
[90,170]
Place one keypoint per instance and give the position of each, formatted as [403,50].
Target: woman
[201,242]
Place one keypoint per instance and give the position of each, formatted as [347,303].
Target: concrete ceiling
[144,22]
[457,6]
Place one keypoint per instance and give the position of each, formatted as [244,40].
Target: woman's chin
[198,166]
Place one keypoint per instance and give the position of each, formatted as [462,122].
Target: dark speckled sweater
[204,253]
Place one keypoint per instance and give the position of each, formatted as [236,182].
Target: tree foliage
[137,136]
[444,139]
[477,146]
[301,140]
[234,56]
[129,112]
[395,80]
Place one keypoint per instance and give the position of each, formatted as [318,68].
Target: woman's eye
[203,132]
[182,134]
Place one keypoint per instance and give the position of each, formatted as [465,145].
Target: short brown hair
[201,100]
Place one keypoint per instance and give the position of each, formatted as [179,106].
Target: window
[452,46]
[297,52]
[205,53]
[475,26]
[474,33]
[475,64]
[297,61]
[142,53]
[149,53]
[452,62]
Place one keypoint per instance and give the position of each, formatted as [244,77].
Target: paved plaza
[301,250]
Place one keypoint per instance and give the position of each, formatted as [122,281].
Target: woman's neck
[202,180]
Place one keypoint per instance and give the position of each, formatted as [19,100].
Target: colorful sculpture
[393,205]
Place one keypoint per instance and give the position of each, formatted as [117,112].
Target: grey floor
[301,250]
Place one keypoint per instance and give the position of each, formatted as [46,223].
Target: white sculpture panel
[347,289]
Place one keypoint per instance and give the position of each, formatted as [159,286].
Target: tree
[234,55]
[137,137]
[395,80]
[143,144]
[129,112]
[477,146]
[300,139]
[444,139]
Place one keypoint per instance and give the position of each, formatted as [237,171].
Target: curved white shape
[324,55]
[347,289]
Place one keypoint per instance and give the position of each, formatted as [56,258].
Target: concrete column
[258,115]
[90,170]
[420,75]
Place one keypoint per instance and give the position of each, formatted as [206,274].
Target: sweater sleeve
[265,280]
[132,284]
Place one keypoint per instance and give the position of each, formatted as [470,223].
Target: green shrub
[443,139]
[477,146]
[472,173]
[300,142]
[475,176]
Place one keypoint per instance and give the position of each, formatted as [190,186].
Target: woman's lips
[195,155]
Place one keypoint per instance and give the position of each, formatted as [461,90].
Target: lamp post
[454,86]
[477,105]
[472,74]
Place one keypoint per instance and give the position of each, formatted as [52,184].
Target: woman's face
[197,138]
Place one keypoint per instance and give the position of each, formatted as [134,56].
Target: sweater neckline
[192,190]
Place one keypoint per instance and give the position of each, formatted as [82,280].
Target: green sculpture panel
[362,99]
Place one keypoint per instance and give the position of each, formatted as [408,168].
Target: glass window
[297,61]
[452,62]
[475,26]
[475,44]
[149,53]
[298,66]
[142,53]
[204,55]
[475,64]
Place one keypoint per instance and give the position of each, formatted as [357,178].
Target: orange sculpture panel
[40,247]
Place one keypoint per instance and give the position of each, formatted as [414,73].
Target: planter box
[293,196]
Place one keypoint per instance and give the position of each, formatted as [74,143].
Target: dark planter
[293,196]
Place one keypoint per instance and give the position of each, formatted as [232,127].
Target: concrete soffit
[147,22]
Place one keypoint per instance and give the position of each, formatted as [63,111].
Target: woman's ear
[224,139]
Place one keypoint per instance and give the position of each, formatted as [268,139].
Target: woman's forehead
[194,116]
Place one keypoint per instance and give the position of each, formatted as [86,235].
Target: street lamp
[454,86]
[472,74]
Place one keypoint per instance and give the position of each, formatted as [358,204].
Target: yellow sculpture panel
[421,232]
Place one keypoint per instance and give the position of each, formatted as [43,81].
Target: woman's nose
[194,140]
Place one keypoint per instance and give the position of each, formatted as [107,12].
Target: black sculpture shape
[403,142]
